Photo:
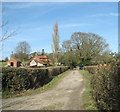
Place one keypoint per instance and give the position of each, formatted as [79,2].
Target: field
[2,64]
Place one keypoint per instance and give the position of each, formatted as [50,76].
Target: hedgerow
[18,79]
[106,87]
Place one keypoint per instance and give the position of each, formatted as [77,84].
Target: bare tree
[22,51]
[55,46]
[7,34]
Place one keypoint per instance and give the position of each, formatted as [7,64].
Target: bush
[106,86]
[91,69]
[18,79]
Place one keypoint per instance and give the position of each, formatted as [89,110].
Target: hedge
[91,69]
[106,87]
[17,79]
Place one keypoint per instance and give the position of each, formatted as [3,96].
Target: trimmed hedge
[106,87]
[91,69]
[17,79]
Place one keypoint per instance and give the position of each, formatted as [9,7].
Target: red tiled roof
[49,60]
[42,57]
[38,61]
[43,63]
[16,59]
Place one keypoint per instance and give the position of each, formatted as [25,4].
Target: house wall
[14,63]
[39,64]
[33,63]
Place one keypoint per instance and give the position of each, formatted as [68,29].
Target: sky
[35,20]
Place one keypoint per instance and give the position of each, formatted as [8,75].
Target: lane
[66,95]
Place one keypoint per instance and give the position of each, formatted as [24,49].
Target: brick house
[14,62]
[39,61]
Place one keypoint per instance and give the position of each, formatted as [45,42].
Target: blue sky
[35,22]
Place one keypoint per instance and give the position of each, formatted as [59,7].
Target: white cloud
[73,25]
[23,5]
[114,14]
[64,25]
[107,14]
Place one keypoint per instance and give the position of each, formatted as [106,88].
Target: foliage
[106,84]
[69,59]
[85,48]
[19,79]
[22,51]
[55,46]
[6,59]
[91,69]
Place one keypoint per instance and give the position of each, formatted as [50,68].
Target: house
[14,62]
[39,61]
[36,62]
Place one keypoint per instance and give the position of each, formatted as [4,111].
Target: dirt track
[66,95]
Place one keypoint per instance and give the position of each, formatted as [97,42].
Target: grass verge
[51,84]
[88,102]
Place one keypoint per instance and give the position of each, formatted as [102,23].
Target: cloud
[103,15]
[19,39]
[64,26]
[22,5]
[73,25]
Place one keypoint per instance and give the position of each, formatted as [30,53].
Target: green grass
[2,64]
[88,102]
[48,86]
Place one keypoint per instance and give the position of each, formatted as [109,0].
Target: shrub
[17,79]
[106,86]
[91,69]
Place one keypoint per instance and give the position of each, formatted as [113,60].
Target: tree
[86,46]
[6,59]
[22,50]
[7,34]
[4,28]
[55,46]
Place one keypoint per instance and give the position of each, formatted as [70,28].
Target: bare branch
[6,35]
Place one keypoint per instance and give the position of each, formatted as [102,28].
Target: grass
[88,102]
[2,64]
[48,86]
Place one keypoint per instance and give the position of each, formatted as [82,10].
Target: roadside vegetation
[88,102]
[105,87]
[51,84]
[104,82]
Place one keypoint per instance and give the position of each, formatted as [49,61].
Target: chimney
[42,51]
[35,53]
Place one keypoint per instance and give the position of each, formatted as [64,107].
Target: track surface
[66,95]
